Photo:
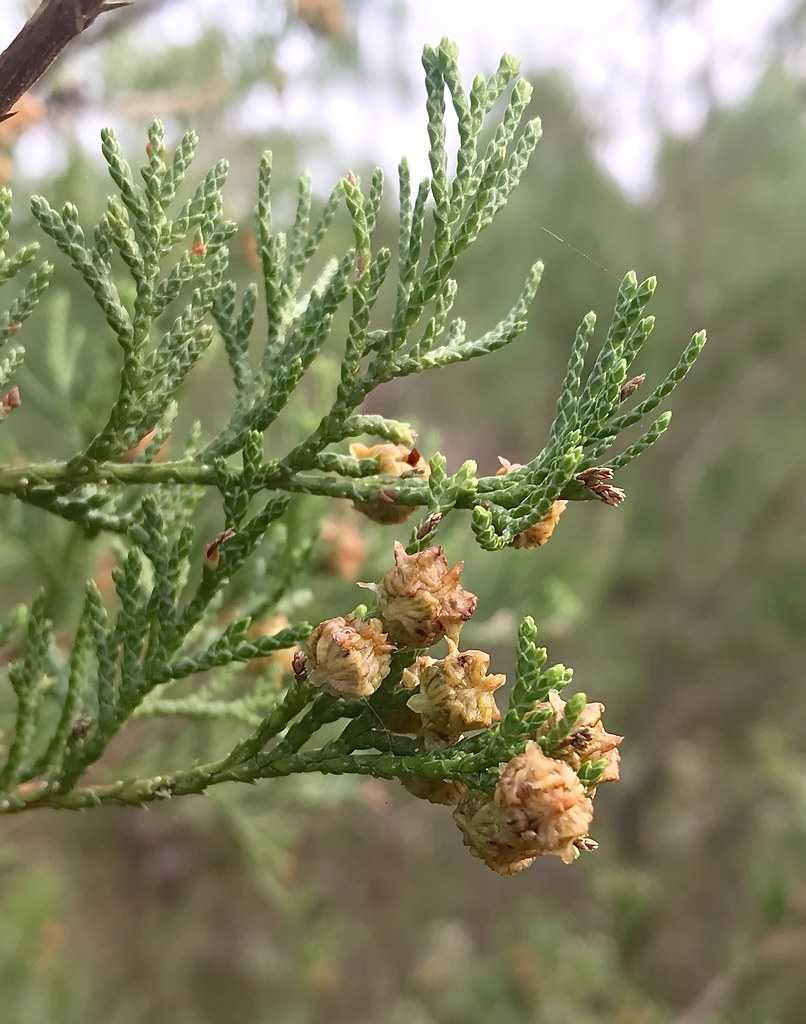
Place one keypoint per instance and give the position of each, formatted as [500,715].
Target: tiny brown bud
[611,495]
[360,266]
[299,664]
[13,328]
[10,401]
[81,726]
[595,476]
[597,479]
[428,524]
[631,386]
[198,249]
[211,552]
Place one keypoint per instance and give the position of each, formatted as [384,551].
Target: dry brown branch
[40,41]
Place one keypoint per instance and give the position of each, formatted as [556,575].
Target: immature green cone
[348,657]
[456,694]
[420,599]
[539,808]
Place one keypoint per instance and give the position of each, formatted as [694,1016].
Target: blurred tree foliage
[686,606]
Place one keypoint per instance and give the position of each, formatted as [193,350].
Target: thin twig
[40,41]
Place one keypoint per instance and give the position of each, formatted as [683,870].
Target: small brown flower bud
[456,694]
[539,808]
[348,657]
[597,479]
[211,552]
[360,265]
[9,402]
[429,523]
[420,599]
[198,249]
[81,727]
[589,741]
[435,791]
[299,664]
[631,386]
[611,495]
[393,460]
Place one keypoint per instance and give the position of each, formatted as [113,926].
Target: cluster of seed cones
[539,806]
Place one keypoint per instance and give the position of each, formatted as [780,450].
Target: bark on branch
[40,41]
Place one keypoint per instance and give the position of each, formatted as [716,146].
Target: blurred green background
[335,901]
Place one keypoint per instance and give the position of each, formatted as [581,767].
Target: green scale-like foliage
[157,267]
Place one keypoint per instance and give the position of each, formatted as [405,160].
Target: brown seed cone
[348,657]
[456,694]
[420,599]
[392,460]
[537,535]
[539,808]
[589,741]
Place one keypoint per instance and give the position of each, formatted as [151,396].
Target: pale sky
[617,53]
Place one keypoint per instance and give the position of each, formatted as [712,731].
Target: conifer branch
[49,30]
[200,627]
